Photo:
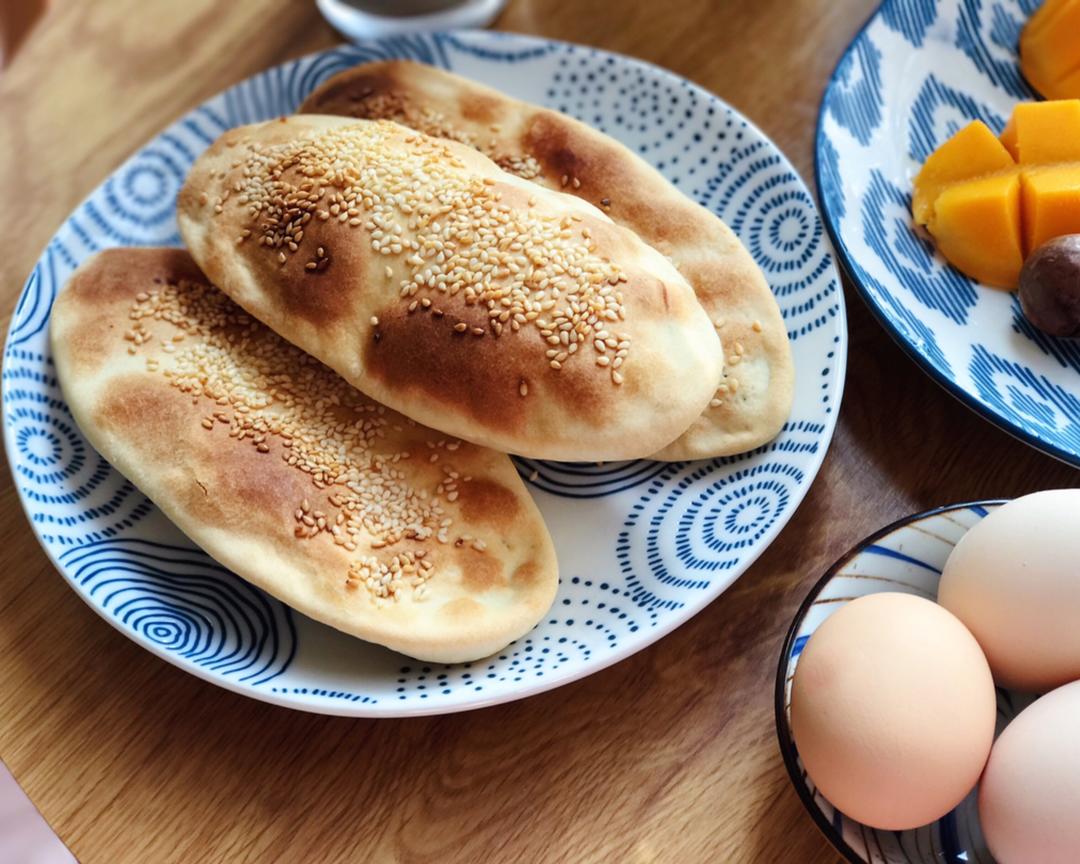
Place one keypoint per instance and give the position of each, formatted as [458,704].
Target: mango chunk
[1070,83]
[989,202]
[1008,138]
[1042,132]
[1050,49]
[1051,203]
[977,228]
[1045,17]
[974,151]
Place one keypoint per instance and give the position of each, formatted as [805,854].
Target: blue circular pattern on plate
[917,72]
[186,605]
[643,545]
[587,480]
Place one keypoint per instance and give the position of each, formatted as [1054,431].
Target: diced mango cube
[1042,132]
[990,201]
[1070,84]
[1046,17]
[974,151]
[1050,49]
[1051,202]
[1008,139]
[977,228]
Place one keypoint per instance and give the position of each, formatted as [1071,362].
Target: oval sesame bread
[345,510]
[557,152]
[467,298]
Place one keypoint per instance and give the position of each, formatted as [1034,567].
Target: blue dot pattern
[642,545]
[917,73]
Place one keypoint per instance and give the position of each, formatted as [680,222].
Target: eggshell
[1029,800]
[892,710]
[1014,580]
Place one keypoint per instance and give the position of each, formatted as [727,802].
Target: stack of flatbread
[376,307]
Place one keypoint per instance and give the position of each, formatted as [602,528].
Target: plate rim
[845,259]
[783,733]
[379,710]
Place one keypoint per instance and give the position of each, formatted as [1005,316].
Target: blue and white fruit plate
[908,557]
[918,72]
[642,545]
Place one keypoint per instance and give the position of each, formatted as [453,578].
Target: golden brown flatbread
[469,299]
[345,510]
[558,152]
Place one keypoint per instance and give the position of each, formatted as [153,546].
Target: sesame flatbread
[557,152]
[341,508]
[467,298]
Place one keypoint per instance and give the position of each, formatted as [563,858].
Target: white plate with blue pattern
[908,557]
[919,71]
[642,546]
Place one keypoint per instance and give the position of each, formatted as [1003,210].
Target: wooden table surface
[670,755]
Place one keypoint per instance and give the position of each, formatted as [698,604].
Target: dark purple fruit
[1050,286]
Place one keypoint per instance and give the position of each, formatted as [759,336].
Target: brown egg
[1029,798]
[1014,580]
[892,710]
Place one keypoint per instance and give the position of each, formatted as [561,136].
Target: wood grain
[667,756]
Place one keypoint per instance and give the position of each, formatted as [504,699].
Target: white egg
[1029,798]
[1014,580]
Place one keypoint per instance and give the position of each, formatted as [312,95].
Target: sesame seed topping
[263,390]
[374,321]
[756,326]
[447,227]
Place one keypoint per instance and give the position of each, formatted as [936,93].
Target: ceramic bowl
[907,556]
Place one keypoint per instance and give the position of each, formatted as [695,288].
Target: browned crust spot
[345,96]
[480,107]
[420,353]
[485,502]
[479,572]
